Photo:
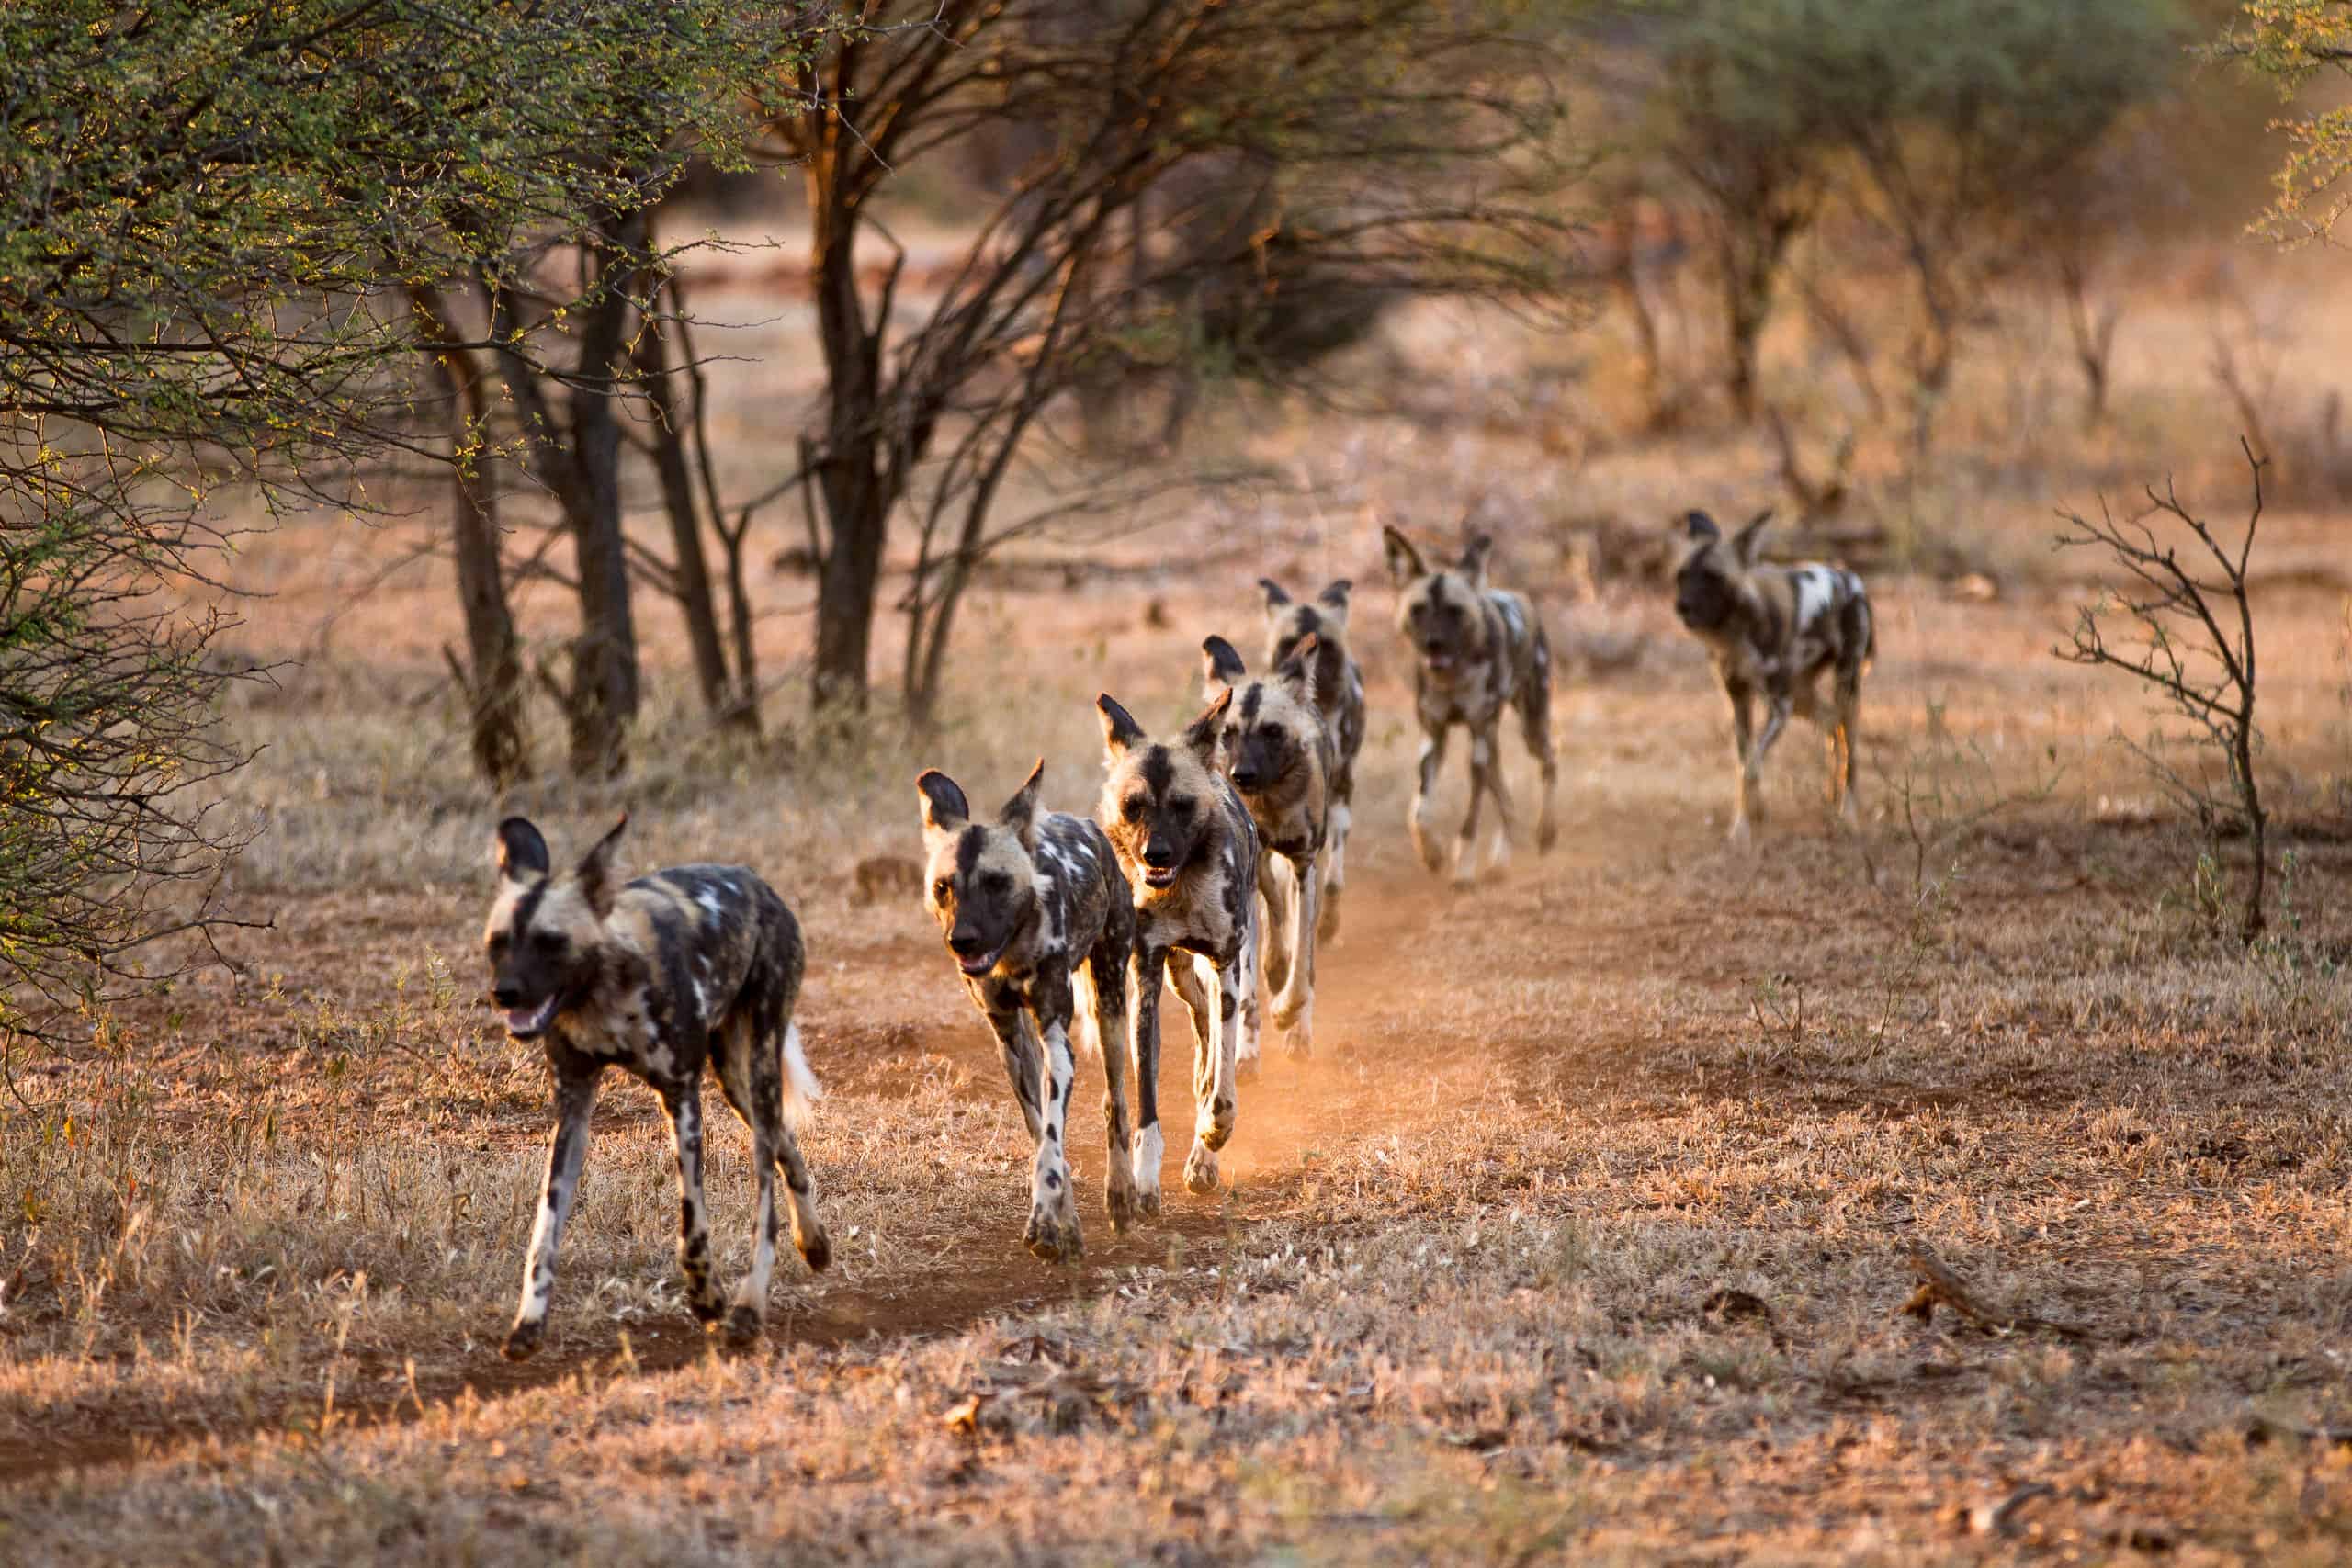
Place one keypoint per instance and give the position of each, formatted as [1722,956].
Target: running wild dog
[1275,750]
[699,963]
[1189,854]
[1338,692]
[1479,649]
[1776,628]
[1039,920]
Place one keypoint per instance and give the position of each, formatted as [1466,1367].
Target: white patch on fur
[801,1089]
[1816,590]
[1085,1011]
[709,902]
[1480,752]
[1151,1149]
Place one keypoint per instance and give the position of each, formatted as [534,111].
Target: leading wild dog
[1038,916]
[1776,628]
[1339,694]
[1275,750]
[1480,649]
[1185,843]
[696,965]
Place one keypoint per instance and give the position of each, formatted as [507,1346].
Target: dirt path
[1292,1106]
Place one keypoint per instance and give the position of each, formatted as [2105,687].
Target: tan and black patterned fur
[1339,694]
[695,965]
[1038,919]
[1479,650]
[1275,750]
[1775,631]
[1189,854]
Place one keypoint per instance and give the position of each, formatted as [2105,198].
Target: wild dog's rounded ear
[520,851]
[1334,597]
[945,809]
[1297,671]
[1476,552]
[1750,539]
[1020,813]
[595,873]
[1701,527]
[1202,733]
[1220,665]
[1120,731]
[1404,560]
[1275,597]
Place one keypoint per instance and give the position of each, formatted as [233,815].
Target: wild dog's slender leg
[1535,729]
[809,1237]
[1335,871]
[1294,1003]
[1742,697]
[1053,1233]
[740,1081]
[1486,781]
[1778,699]
[575,1101]
[1018,1043]
[1841,763]
[682,1101]
[1212,1112]
[1275,912]
[1432,759]
[1144,970]
[1107,971]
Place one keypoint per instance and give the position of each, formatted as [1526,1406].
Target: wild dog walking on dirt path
[1277,753]
[1480,649]
[1339,694]
[1189,854]
[699,963]
[1776,628]
[1040,921]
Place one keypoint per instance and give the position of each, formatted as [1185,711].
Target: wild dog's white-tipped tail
[801,1089]
[1086,1029]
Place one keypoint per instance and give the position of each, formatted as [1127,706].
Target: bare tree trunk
[850,472]
[604,679]
[2093,337]
[693,586]
[493,676]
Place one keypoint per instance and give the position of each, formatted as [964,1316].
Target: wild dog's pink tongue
[522,1020]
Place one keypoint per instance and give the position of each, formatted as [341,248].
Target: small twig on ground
[1939,1286]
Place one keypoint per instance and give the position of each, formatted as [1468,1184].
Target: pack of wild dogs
[1216,856]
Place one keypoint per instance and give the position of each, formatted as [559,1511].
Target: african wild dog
[1776,628]
[1039,920]
[699,963]
[1274,748]
[1338,692]
[1480,649]
[1189,854]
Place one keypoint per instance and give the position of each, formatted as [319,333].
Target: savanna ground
[1583,1235]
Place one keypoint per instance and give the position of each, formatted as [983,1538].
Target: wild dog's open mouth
[1160,876]
[1437,661]
[981,963]
[524,1023]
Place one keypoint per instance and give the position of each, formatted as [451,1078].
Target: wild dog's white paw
[1847,811]
[1466,863]
[1200,1170]
[1214,1126]
[1327,915]
[1298,1031]
[1499,853]
[1151,1149]
[1740,837]
[1245,1069]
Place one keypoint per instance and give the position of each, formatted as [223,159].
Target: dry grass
[1585,1238]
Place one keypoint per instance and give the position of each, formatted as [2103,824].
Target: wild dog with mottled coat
[1277,753]
[697,965]
[1775,629]
[1479,649]
[1038,917]
[1339,695]
[1185,843]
